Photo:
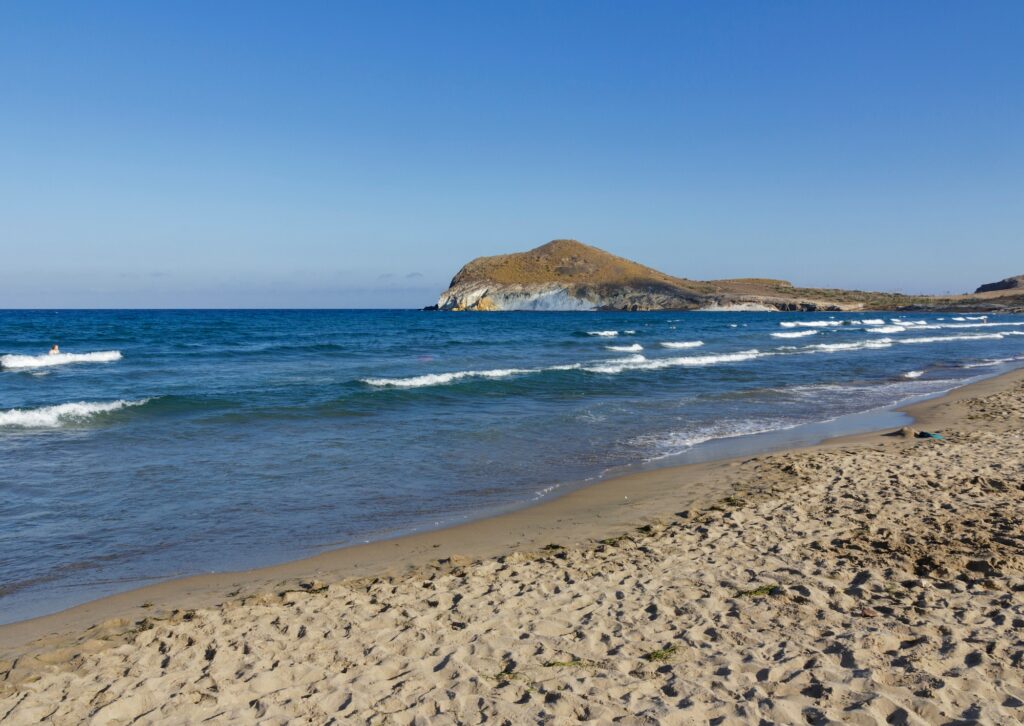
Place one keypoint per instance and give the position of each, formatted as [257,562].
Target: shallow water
[224,440]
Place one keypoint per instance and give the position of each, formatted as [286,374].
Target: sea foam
[43,361]
[635,348]
[947,338]
[795,334]
[64,413]
[639,363]
[810,323]
[862,345]
[683,344]
[440,379]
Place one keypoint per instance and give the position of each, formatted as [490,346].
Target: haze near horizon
[329,155]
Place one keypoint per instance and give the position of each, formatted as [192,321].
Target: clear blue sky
[356,154]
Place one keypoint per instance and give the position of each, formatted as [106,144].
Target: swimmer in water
[55,350]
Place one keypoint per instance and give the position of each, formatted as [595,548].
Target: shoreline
[580,516]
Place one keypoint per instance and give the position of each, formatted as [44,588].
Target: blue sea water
[167,443]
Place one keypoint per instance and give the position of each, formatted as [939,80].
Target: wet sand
[868,579]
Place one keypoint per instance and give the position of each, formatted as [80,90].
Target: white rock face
[744,307]
[513,297]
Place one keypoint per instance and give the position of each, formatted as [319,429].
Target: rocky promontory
[1010,283]
[568,275]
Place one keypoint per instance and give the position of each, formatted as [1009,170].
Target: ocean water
[168,443]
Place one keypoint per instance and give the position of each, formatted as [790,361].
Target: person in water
[55,350]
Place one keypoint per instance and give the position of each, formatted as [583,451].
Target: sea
[159,444]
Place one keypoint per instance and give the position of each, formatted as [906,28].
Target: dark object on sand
[909,433]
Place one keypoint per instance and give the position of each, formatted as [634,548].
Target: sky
[354,154]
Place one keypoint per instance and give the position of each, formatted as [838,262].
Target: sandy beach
[871,579]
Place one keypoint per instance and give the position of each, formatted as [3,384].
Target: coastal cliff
[568,275]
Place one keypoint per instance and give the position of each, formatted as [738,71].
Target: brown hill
[566,274]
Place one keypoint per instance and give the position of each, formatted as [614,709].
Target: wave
[913,374]
[440,379]
[810,323]
[829,323]
[639,363]
[993,362]
[950,326]
[887,342]
[64,413]
[45,360]
[603,333]
[836,347]
[887,329]
[677,442]
[946,338]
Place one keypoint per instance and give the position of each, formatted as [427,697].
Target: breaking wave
[683,344]
[46,360]
[639,363]
[862,345]
[795,334]
[809,323]
[677,442]
[603,333]
[440,379]
[993,362]
[635,348]
[945,338]
[64,413]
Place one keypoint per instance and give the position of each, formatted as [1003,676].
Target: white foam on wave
[64,413]
[682,344]
[887,329]
[993,362]
[831,322]
[639,363]
[947,338]
[836,347]
[440,379]
[978,317]
[43,361]
[604,333]
[913,374]
[795,334]
[954,326]
[809,323]
[960,319]
[635,348]
[677,442]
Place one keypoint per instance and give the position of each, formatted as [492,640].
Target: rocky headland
[569,275]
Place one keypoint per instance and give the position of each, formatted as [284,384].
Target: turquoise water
[167,443]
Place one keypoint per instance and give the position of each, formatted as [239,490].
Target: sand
[875,579]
